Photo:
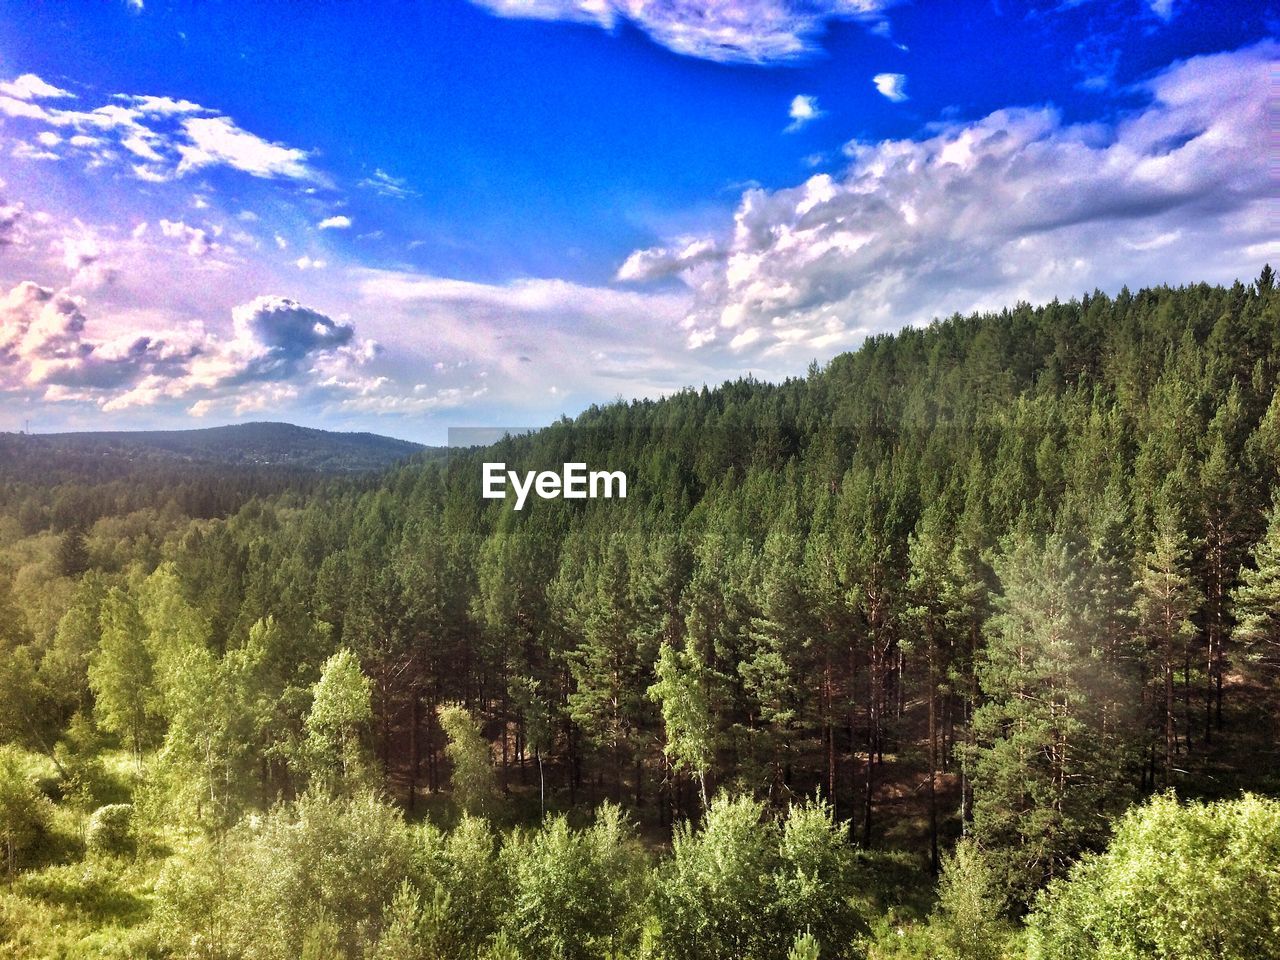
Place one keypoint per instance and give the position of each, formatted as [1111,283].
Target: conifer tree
[1256,601]
[1167,599]
[1041,772]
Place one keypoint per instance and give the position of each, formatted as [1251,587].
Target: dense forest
[964,645]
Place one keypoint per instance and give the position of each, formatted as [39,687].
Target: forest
[962,646]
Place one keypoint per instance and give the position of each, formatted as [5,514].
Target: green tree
[1041,771]
[1177,882]
[474,784]
[681,691]
[577,895]
[122,675]
[338,722]
[968,922]
[1257,601]
[25,813]
[1167,599]
[745,885]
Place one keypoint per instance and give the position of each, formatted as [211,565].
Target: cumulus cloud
[335,223]
[158,138]
[280,331]
[31,87]
[1017,205]
[892,85]
[277,347]
[804,109]
[196,239]
[742,31]
[665,261]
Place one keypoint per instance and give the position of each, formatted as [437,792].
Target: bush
[25,812]
[110,830]
[578,894]
[746,885]
[312,875]
[1193,882]
[969,921]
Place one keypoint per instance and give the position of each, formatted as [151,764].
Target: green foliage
[1257,599]
[744,885]
[969,922]
[577,895]
[122,675]
[340,713]
[465,889]
[474,785]
[1177,882]
[268,889]
[1042,766]
[25,813]
[805,948]
[681,690]
[110,830]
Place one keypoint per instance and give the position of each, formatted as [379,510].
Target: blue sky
[406,216]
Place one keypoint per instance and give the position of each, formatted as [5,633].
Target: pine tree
[1167,599]
[1256,601]
[932,623]
[1041,771]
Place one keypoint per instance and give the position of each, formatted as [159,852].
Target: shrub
[110,830]
[25,813]
[578,894]
[1193,882]
[746,885]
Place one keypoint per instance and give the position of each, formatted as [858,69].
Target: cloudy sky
[407,216]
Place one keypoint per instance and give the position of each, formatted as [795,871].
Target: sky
[412,215]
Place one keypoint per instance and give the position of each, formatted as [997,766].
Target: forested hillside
[240,445]
[966,644]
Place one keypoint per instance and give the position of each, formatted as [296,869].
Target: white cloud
[742,31]
[31,87]
[388,186]
[305,262]
[216,140]
[195,238]
[665,261]
[1164,9]
[338,222]
[278,350]
[591,341]
[161,138]
[804,109]
[892,85]
[1018,205]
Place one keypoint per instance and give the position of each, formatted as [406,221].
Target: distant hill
[240,445]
